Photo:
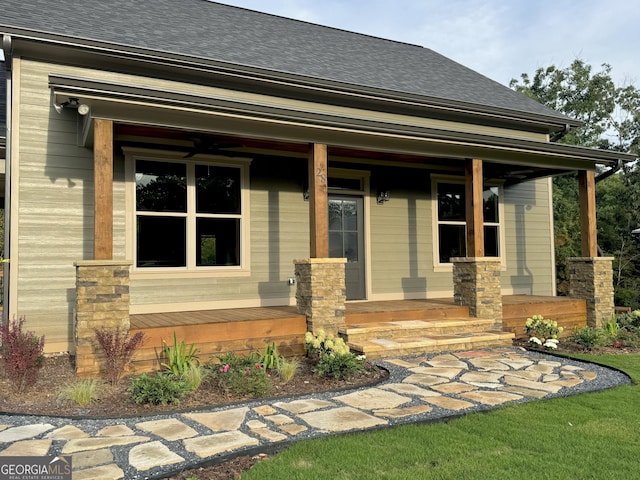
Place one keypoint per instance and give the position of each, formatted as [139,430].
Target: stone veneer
[591,278]
[476,283]
[102,300]
[321,292]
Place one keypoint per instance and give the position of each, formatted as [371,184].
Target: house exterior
[207,155]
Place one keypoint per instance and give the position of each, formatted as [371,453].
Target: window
[188,215]
[451,221]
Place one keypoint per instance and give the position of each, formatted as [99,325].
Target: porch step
[414,328]
[385,347]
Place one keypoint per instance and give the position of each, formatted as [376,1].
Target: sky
[500,39]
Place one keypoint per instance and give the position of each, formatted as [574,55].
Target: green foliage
[589,337]
[194,376]
[179,358]
[118,350]
[241,376]
[81,392]
[270,359]
[543,332]
[341,366]
[288,368]
[21,353]
[611,328]
[610,121]
[159,389]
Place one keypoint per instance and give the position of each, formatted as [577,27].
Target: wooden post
[474,208]
[103,190]
[318,201]
[587,196]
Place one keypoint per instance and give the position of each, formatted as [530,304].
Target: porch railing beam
[103,190]
[474,208]
[318,201]
[587,197]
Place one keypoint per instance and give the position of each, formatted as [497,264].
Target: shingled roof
[203,30]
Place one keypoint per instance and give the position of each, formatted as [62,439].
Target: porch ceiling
[193,143]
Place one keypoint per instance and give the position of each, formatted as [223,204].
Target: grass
[588,436]
[81,392]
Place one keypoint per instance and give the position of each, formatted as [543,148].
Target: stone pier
[591,278]
[476,284]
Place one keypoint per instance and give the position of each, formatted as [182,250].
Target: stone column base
[321,292]
[591,278]
[102,300]
[476,284]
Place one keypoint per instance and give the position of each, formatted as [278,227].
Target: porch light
[383,197]
[82,108]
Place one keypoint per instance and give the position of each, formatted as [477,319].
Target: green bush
[288,368]
[194,377]
[589,337]
[179,358]
[270,359]
[241,376]
[626,338]
[159,389]
[341,366]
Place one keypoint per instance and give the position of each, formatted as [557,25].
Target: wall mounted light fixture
[82,108]
[383,197]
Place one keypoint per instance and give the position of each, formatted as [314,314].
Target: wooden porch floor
[245,330]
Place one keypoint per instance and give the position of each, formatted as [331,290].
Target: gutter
[7,48]
[611,171]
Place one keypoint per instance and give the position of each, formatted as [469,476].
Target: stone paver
[152,454]
[341,420]
[220,421]
[169,429]
[421,387]
[208,445]
[373,398]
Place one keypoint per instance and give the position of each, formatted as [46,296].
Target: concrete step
[384,347]
[410,328]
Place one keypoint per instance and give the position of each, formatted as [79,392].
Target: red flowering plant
[241,376]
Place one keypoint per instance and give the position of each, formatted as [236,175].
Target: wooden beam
[318,201]
[587,197]
[103,190]
[474,208]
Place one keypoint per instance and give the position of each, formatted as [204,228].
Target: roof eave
[547,122]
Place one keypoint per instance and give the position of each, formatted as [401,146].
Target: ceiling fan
[209,146]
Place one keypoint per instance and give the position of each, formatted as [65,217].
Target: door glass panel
[335,245]
[351,246]
[335,215]
[350,216]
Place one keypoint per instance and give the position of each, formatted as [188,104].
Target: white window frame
[451,179]
[190,270]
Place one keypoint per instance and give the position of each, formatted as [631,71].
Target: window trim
[190,270]
[437,179]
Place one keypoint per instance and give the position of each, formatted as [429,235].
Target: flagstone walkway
[419,388]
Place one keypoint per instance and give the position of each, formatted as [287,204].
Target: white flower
[535,340]
[361,357]
[553,340]
[550,345]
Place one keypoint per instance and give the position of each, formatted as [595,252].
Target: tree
[611,121]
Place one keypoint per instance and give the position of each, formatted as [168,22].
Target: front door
[346,240]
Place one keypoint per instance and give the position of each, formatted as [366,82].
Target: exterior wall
[52,223]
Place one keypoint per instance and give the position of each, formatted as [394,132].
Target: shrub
[82,392]
[159,389]
[194,377]
[589,337]
[241,376]
[320,344]
[340,366]
[626,338]
[270,359]
[288,368]
[22,353]
[542,329]
[179,359]
[629,320]
[611,327]
[118,350]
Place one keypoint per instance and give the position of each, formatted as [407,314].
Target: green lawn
[588,436]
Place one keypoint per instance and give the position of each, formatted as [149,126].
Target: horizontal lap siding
[54,212]
[530,264]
